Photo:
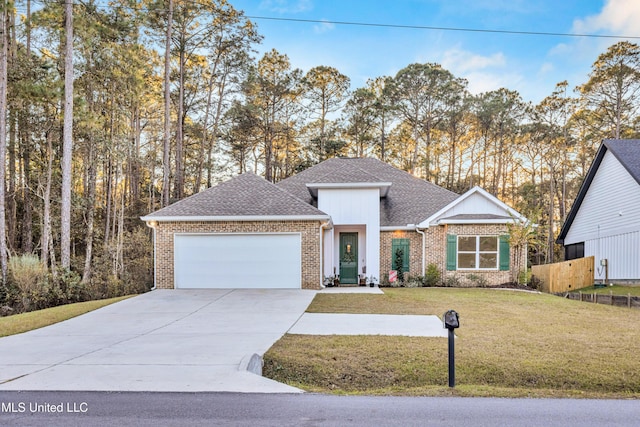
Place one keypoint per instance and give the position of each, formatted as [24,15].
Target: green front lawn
[615,290]
[24,322]
[510,343]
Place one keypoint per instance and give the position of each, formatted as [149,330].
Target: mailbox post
[451,321]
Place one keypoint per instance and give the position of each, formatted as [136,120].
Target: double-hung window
[478,252]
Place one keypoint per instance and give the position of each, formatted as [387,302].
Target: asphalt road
[238,409]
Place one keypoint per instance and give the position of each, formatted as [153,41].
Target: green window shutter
[402,244]
[452,252]
[505,253]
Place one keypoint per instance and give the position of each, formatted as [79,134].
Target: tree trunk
[205,131]
[550,236]
[178,184]
[12,212]
[3,139]
[166,167]
[134,156]
[214,132]
[46,209]
[27,209]
[13,109]
[91,202]
[67,143]
[25,130]
[109,194]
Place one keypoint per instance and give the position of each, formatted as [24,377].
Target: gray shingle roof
[627,151]
[244,195]
[409,201]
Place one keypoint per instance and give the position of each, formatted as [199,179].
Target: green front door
[349,258]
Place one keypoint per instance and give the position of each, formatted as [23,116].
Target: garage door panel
[237,260]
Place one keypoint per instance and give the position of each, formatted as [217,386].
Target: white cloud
[323,27]
[618,17]
[483,72]
[286,6]
[460,61]
[484,82]
[546,67]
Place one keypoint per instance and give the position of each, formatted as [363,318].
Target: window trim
[477,253]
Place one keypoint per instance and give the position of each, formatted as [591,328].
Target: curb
[251,363]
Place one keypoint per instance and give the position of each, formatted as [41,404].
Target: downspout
[320,238]
[424,249]
[152,225]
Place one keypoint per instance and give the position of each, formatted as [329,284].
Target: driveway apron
[165,340]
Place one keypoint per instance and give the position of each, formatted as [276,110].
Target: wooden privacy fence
[565,276]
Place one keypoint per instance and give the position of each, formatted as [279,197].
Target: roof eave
[408,227]
[582,193]
[476,221]
[313,187]
[236,218]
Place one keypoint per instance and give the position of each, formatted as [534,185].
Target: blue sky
[530,64]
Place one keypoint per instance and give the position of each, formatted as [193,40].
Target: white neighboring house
[604,220]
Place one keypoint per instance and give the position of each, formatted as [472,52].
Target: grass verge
[612,290]
[24,322]
[510,344]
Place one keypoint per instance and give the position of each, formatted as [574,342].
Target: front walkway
[367,324]
[352,290]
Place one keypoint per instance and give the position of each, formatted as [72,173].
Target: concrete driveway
[165,340]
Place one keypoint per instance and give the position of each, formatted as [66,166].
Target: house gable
[476,206]
[627,154]
[609,206]
[603,221]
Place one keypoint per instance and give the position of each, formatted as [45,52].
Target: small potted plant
[328,281]
[372,281]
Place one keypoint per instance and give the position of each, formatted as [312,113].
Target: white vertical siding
[351,206]
[622,252]
[360,209]
[608,221]
[327,258]
[475,203]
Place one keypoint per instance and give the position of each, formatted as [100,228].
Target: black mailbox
[450,319]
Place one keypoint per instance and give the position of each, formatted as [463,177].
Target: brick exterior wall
[491,277]
[436,252]
[415,252]
[309,231]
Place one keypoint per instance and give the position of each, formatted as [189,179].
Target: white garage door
[237,260]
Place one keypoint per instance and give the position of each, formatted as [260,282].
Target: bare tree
[166,146]
[67,141]
[3,136]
